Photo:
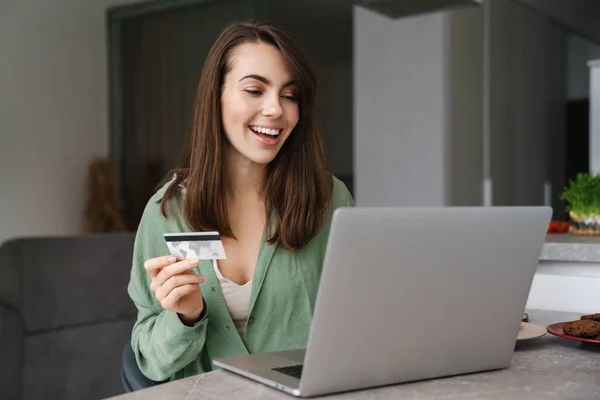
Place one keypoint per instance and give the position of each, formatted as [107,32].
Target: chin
[261,159]
[261,154]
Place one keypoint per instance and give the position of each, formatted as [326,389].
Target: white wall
[53,111]
[399,111]
[417,109]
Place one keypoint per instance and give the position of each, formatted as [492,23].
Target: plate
[530,331]
[557,330]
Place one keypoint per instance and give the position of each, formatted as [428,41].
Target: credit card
[195,245]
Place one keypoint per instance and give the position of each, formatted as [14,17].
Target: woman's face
[259,107]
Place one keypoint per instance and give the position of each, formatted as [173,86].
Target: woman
[255,171]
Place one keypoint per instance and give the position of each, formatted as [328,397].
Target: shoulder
[149,240]
[160,193]
[341,196]
[153,217]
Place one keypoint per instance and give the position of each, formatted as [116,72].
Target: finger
[154,265]
[173,269]
[176,281]
[184,267]
[170,302]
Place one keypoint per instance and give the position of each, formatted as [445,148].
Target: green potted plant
[582,196]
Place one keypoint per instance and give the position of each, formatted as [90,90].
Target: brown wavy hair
[299,181]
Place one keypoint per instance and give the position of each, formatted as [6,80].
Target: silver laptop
[411,294]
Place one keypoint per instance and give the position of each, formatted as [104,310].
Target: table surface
[544,368]
[569,247]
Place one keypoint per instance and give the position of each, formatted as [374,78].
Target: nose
[272,107]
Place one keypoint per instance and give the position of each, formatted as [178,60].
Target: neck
[245,179]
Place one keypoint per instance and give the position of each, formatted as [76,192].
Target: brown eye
[291,98]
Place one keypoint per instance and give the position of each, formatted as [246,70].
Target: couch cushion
[11,353]
[79,363]
[10,284]
[67,281]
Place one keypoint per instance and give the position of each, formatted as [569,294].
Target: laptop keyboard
[292,370]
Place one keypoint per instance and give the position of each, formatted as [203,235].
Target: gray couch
[64,316]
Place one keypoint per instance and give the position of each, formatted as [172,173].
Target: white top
[237,299]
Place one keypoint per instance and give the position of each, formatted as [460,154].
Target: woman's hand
[176,286]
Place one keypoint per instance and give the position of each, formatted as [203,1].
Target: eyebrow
[265,80]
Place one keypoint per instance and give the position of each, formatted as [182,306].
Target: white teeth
[267,131]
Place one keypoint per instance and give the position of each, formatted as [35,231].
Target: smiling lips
[267,136]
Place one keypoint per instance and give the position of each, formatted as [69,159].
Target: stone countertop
[568,247]
[545,368]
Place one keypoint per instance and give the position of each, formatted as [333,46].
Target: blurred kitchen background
[473,103]
[421,103]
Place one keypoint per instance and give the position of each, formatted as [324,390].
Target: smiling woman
[256,75]
[255,171]
[259,102]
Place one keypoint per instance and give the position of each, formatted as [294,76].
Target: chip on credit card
[195,245]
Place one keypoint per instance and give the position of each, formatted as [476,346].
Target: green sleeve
[341,195]
[162,344]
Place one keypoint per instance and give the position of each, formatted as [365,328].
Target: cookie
[582,328]
[593,317]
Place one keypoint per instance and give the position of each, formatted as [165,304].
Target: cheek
[236,111]
[245,111]
[292,114]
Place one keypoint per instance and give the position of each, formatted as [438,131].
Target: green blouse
[281,304]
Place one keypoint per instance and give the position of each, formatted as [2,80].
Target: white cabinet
[566,286]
